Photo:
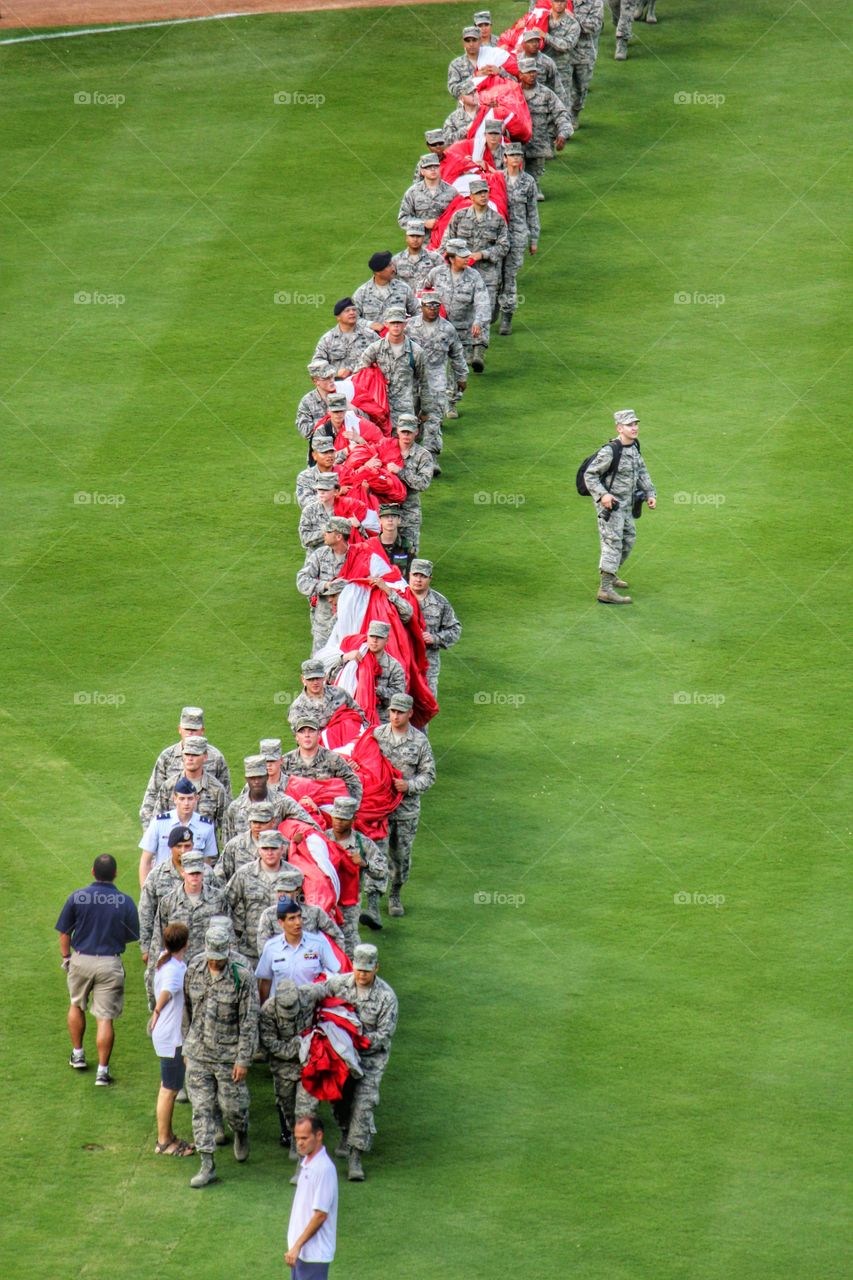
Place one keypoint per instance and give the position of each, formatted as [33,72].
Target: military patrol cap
[327,482]
[321,369]
[192,860]
[365,956]
[286,992]
[380,629]
[494,126]
[288,907]
[260,811]
[225,923]
[270,839]
[337,401]
[513,149]
[430,298]
[435,137]
[532,33]
[624,417]
[270,748]
[422,566]
[400,702]
[306,721]
[429,161]
[321,443]
[470,33]
[344,807]
[312,668]
[192,718]
[390,509]
[255,767]
[527,65]
[288,879]
[468,86]
[217,941]
[396,315]
[379,261]
[337,524]
[415,227]
[477,184]
[180,835]
[194,746]
[483,18]
[343,304]
[457,249]
[183,787]
[407,422]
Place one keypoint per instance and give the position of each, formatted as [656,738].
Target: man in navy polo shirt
[94,927]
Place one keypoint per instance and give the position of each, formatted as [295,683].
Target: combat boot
[607,593]
[395,906]
[342,1149]
[207,1172]
[650,16]
[478,362]
[452,413]
[293,1153]
[241,1145]
[620,583]
[506,324]
[370,917]
[621,53]
[355,1173]
[220,1137]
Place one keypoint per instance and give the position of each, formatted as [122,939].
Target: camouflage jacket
[325,764]
[484,233]
[560,40]
[404,374]
[178,908]
[343,349]
[440,343]
[285,1015]
[421,202]
[589,15]
[463,294]
[249,892]
[457,124]
[169,763]
[412,755]
[631,475]
[372,302]
[376,1006]
[309,411]
[549,118]
[523,209]
[239,850]
[220,1014]
[440,620]
[324,707]
[414,270]
[391,678]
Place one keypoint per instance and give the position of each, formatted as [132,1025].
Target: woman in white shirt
[164,1028]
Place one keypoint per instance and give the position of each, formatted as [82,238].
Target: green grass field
[603,1082]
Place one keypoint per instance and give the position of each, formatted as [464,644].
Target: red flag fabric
[335,1041]
[538,18]
[380,797]
[506,101]
[321,884]
[497,197]
[379,480]
[370,395]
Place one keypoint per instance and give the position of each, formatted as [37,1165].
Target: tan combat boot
[607,593]
[621,53]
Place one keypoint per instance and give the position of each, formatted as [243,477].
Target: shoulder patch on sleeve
[202,818]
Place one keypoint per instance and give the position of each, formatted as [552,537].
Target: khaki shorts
[102,977]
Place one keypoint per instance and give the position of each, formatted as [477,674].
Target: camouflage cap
[471,32]
[306,721]
[390,509]
[271,839]
[217,942]
[180,835]
[321,443]
[286,993]
[327,482]
[321,369]
[260,810]
[222,922]
[338,524]
[457,248]
[624,417]
[396,315]
[344,807]
[429,161]
[415,227]
[407,422]
[312,668]
[254,767]
[477,185]
[435,137]
[467,86]
[270,748]
[365,956]
[429,298]
[288,879]
[194,746]
[336,402]
[513,149]
[527,65]
[191,718]
[192,860]
[483,18]
[422,566]
[532,33]
[382,630]
[400,702]
[494,126]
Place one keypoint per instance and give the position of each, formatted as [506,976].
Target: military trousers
[398,844]
[293,1099]
[211,1090]
[354,1111]
[616,535]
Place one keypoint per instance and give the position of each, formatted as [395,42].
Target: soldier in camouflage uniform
[341,346]
[546,67]
[319,579]
[483,23]
[465,66]
[550,120]
[614,498]
[440,343]
[169,762]
[391,678]
[376,1006]
[459,121]
[319,510]
[324,457]
[310,760]
[258,787]
[371,875]
[288,884]
[465,298]
[162,881]
[252,889]
[404,365]
[312,407]
[319,699]
[436,146]
[442,628]
[416,473]
[428,196]
[284,1017]
[243,847]
[192,902]
[487,237]
[589,15]
[409,751]
[381,292]
[212,797]
[397,548]
[521,191]
[414,263]
[561,40]
[220,1037]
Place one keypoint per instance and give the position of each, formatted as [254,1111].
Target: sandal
[176,1147]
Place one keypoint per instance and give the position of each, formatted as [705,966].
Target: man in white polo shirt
[294,953]
[312,1230]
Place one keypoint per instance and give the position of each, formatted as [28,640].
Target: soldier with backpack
[617,480]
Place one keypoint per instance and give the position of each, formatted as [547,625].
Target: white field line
[125,26]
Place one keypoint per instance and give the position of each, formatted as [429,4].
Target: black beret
[380,261]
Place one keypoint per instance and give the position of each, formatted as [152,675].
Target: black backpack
[607,479]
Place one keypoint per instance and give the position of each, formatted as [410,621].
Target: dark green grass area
[600,1081]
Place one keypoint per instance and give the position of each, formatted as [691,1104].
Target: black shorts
[172,1071]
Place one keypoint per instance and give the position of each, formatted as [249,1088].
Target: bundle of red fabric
[335,1041]
[538,17]
[497,197]
[504,100]
[382,482]
[370,395]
